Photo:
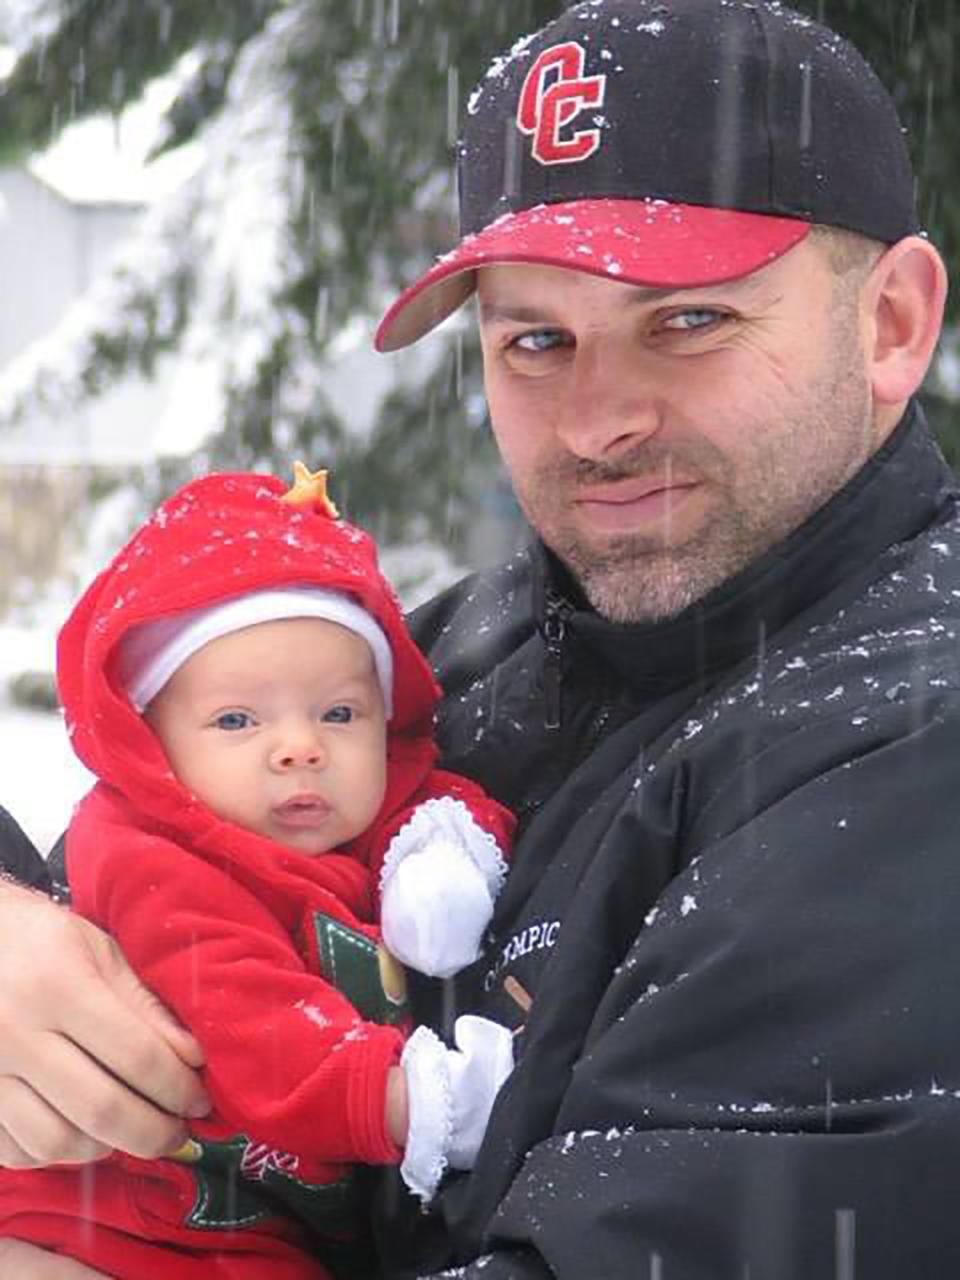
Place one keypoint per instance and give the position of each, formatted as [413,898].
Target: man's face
[661,441]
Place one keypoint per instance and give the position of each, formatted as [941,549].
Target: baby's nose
[298,751]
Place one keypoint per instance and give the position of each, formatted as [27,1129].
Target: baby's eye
[340,714]
[231,721]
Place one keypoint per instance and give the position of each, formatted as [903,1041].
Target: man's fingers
[13,1156]
[19,1260]
[100,1105]
[118,1023]
[93,1045]
[34,1135]
[141,1001]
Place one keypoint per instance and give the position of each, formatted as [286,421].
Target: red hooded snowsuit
[270,957]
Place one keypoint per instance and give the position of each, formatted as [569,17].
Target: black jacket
[18,856]
[735,904]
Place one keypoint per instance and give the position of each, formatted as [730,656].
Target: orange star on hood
[309,489]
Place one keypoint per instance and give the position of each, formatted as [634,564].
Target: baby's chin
[311,846]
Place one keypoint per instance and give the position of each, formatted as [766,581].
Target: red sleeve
[289,1061]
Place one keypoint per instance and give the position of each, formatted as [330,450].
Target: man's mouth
[631,489]
[623,504]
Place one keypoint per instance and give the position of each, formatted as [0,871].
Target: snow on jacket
[271,958]
[734,904]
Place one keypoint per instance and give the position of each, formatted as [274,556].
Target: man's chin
[646,588]
[627,607]
[636,579]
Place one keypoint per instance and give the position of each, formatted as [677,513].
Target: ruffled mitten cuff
[448,821]
[441,875]
[431,1114]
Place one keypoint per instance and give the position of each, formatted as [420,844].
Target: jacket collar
[898,492]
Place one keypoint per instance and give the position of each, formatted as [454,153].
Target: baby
[242,683]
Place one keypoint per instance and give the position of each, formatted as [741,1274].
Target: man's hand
[89,1058]
[18,1260]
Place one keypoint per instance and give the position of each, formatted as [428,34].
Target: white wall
[50,250]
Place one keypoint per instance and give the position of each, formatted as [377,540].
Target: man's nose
[299,747]
[615,403]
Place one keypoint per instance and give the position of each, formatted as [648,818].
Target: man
[720,693]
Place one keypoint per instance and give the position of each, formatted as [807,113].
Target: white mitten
[451,1093]
[435,908]
[440,876]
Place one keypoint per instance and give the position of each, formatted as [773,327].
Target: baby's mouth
[303,810]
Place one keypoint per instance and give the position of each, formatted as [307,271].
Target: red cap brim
[643,242]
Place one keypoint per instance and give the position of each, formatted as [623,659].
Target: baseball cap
[668,143]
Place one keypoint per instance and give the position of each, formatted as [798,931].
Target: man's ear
[903,300]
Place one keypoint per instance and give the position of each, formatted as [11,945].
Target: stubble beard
[755,504]
[631,582]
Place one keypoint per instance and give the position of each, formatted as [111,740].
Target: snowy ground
[41,777]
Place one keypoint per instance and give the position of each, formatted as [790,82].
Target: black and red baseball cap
[668,143]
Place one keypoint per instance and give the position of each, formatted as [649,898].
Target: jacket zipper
[554,630]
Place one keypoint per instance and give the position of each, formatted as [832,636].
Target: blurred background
[205,205]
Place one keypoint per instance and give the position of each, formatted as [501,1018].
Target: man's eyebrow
[492,309]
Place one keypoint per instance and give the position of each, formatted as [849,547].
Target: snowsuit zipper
[554,631]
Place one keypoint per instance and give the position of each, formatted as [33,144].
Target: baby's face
[280,728]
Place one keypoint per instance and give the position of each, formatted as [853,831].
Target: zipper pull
[554,630]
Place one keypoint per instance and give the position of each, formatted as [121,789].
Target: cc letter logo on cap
[546,109]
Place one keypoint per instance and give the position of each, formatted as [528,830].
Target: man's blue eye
[338,715]
[231,721]
[693,318]
[538,340]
